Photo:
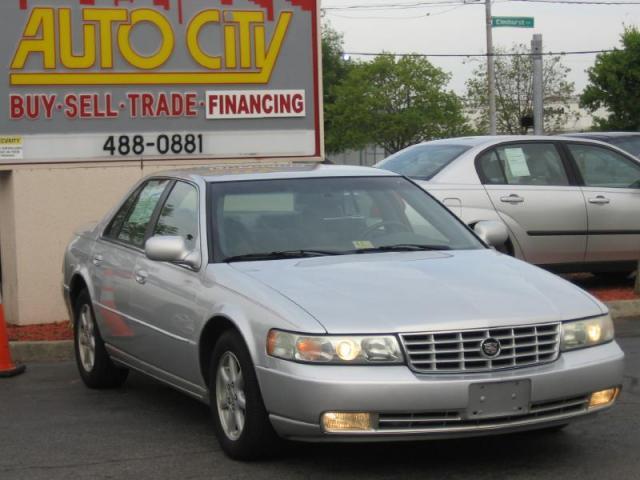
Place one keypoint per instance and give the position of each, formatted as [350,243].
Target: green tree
[514,92]
[335,68]
[614,83]
[395,103]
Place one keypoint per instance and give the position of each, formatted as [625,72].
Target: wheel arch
[77,284]
[212,331]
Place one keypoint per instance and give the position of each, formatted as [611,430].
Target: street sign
[95,80]
[517,22]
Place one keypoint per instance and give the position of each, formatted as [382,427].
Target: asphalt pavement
[52,427]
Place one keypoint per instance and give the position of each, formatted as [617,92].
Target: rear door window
[523,164]
[134,227]
[490,169]
[118,219]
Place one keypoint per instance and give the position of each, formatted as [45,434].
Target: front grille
[452,419]
[453,352]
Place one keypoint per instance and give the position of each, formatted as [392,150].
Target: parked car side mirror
[492,232]
[171,249]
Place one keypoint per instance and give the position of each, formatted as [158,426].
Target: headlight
[352,350]
[587,333]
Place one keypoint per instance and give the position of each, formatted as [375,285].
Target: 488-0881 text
[164,144]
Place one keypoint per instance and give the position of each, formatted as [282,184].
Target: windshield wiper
[402,247]
[280,255]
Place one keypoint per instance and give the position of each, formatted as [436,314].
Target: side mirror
[171,249]
[492,232]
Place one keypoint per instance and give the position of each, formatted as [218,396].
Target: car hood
[416,291]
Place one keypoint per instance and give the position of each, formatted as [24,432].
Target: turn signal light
[347,422]
[603,397]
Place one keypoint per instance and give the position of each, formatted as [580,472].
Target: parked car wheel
[95,367]
[240,419]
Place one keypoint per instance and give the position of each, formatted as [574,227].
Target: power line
[459,55]
[402,6]
[412,17]
[432,3]
[579,2]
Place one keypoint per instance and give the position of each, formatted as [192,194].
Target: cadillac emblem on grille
[490,347]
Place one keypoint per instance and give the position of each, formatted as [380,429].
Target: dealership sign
[131,79]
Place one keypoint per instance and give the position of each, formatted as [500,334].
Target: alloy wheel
[87,339]
[230,397]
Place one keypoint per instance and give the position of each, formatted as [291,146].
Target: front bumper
[296,396]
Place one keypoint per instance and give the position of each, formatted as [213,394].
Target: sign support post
[493,22]
[490,70]
[538,93]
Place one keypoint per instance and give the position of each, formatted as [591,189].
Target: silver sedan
[570,204]
[331,304]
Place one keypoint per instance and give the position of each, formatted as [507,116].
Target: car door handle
[513,198]
[97,260]
[599,200]
[141,276]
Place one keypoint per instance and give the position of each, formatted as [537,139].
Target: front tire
[240,418]
[94,365]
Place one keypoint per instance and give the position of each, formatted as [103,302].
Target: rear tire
[240,418]
[94,365]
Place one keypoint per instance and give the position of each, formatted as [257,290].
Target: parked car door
[532,190]
[114,257]
[612,191]
[164,295]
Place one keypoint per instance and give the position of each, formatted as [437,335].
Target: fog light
[347,422]
[603,397]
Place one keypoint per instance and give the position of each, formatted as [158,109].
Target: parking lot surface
[52,427]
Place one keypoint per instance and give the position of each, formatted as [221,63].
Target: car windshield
[422,161]
[631,144]
[299,217]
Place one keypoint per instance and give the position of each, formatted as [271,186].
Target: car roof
[231,172]
[602,134]
[480,140]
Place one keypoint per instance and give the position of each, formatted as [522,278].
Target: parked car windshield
[631,144]
[270,219]
[422,161]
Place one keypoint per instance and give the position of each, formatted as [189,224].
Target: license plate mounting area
[498,399]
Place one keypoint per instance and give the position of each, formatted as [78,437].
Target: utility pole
[538,93]
[491,70]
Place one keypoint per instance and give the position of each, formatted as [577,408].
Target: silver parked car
[570,204]
[331,303]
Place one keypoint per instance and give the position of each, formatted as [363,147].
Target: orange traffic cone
[7,367]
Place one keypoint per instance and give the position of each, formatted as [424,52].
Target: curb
[624,308]
[35,352]
[60,351]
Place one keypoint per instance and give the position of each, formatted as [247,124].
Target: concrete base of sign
[40,207]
